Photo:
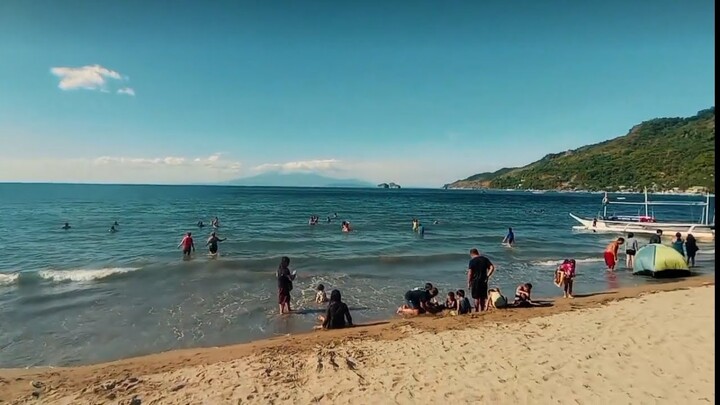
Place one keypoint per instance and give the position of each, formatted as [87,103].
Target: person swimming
[346,226]
[112,229]
[66,226]
[116,223]
[200,224]
[213,243]
[215,223]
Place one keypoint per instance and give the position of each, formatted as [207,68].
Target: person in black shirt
[479,271]
[417,301]
[285,279]
[657,238]
[337,313]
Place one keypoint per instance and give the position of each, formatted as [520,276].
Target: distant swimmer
[329,220]
[415,225]
[200,224]
[436,222]
[215,223]
[346,226]
[335,215]
[66,226]
[187,244]
[420,229]
[116,223]
[112,229]
[314,219]
[509,238]
[213,243]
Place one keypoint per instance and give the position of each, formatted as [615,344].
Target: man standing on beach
[479,271]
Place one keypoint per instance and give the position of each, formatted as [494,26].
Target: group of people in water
[688,248]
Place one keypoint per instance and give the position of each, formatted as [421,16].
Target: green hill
[659,154]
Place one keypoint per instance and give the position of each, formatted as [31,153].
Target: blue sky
[417,92]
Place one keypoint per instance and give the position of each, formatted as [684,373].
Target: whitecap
[8,279]
[83,274]
[559,262]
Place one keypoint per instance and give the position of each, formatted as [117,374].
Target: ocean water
[85,295]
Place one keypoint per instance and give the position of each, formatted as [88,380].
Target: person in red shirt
[611,252]
[187,244]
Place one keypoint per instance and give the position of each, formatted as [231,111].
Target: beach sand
[647,344]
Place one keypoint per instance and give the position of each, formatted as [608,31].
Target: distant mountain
[297,180]
[660,154]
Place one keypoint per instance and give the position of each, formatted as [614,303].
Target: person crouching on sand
[418,302]
[522,296]
[611,253]
[337,313]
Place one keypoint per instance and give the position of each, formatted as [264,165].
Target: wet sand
[648,344]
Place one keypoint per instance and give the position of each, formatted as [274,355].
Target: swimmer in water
[215,223]
[66,226]
[510,238]
[116,224]
[213,243]
[335,215]
[200,224]
[112,229]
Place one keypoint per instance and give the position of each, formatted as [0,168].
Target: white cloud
[126,90]
[90,77]
[321,165]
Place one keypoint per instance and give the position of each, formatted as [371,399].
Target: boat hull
[699,231]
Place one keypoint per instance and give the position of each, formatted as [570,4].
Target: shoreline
[59,382]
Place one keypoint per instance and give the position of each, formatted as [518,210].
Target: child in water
[321,296]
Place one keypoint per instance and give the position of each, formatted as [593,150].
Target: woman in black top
[691,248]
[337,313]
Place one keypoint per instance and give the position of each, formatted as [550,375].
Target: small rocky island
[388,185]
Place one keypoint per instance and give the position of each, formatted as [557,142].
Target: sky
[420,93]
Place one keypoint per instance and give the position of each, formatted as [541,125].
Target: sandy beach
[646,344]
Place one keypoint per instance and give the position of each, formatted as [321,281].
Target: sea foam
[83,274]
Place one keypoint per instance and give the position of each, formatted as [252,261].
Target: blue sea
[85,295]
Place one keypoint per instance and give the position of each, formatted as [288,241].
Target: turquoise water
[85,295]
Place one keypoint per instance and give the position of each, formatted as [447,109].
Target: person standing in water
[215,223]
[66,226]
[213,243]
[187,244]
[611,252]
[631,250]
[285,285]
[679,244]
[510,238]
[112,229]
[691,248]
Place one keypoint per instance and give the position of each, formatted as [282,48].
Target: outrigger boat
[647,224]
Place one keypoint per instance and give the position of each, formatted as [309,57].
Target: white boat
[647,224]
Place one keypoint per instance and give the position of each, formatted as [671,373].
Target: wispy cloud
[126,90]
[90,77]
[320,165]
[214,161]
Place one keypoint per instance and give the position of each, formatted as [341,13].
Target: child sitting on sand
[522,296]
[451,302]
[496,299]
[321,296]
[463,303]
